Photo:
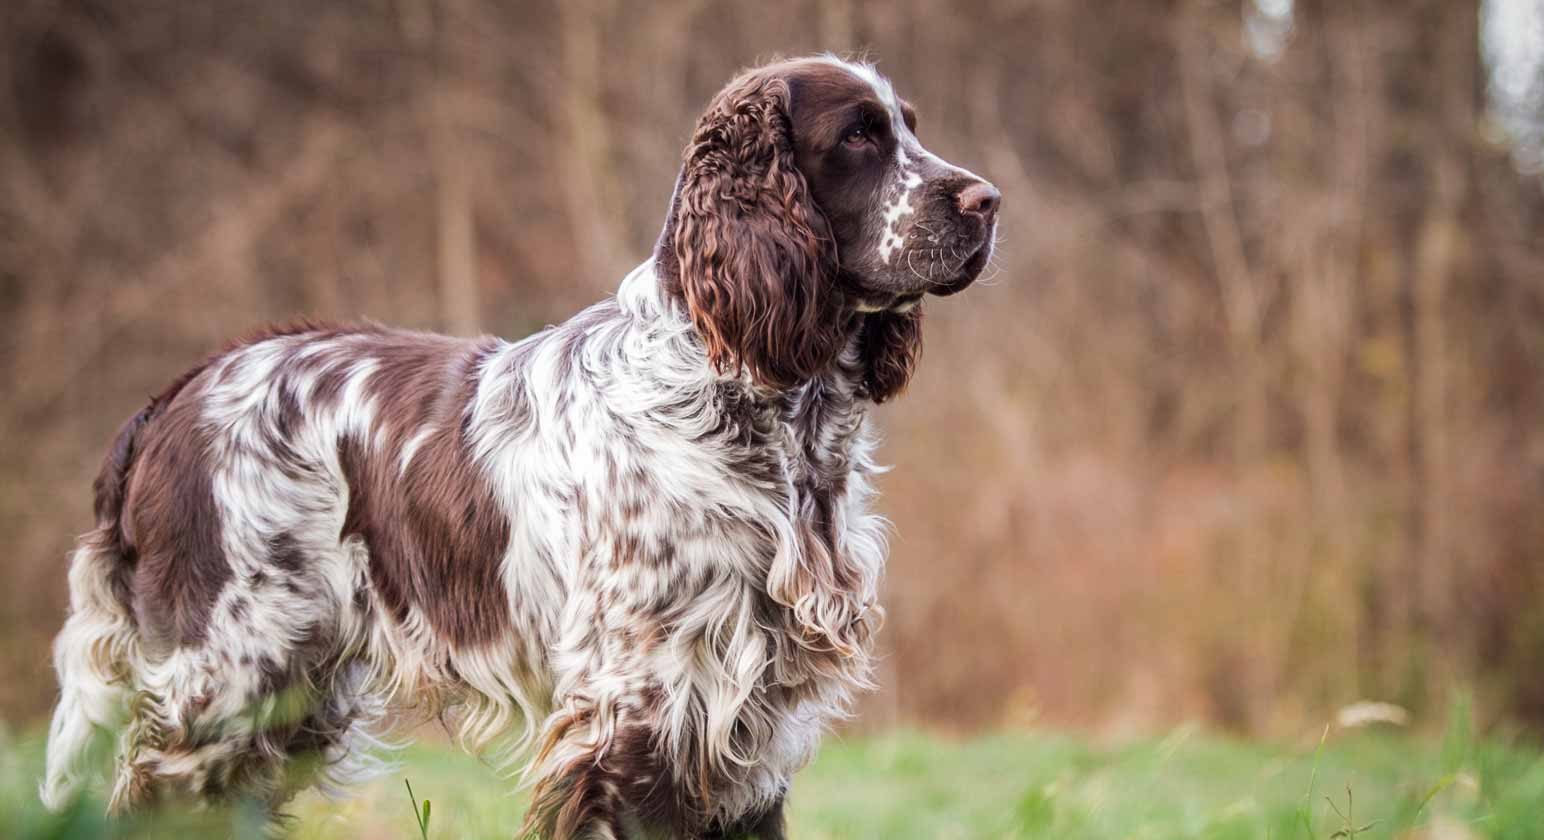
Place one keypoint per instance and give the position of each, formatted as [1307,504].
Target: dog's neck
[650,292]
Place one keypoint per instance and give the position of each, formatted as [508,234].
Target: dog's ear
[755,260]
[891,344]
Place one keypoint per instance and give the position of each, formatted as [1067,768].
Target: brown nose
[980,199]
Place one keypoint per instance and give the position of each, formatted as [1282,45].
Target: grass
[1004,787]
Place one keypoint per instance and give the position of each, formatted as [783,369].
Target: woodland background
[1248,423]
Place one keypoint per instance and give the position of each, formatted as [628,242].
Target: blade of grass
[419,816]
[1442,784]
[1305,813]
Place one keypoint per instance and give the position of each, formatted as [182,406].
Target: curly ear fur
[757,265]
[891,345]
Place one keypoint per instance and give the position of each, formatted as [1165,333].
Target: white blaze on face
[900,206]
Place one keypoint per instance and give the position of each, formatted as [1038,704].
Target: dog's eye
[856,136]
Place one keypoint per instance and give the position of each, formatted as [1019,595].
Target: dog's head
[806,207]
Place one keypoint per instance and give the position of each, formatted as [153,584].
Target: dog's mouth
[932,271]
[968,271]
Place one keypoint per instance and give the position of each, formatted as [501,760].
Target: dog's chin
[969,271]
[870,301]
[872,297]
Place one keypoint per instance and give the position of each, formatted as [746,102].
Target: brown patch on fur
[111,487]
[891,348]
[435,534]
[171,522]
[284,553]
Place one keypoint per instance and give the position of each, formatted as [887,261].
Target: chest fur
[728,593]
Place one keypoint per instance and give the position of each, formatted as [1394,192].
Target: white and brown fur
[639,541]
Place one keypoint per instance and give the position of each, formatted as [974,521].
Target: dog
[638,543]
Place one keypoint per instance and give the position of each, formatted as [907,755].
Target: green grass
[1009,786]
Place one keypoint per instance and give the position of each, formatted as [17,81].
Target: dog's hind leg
[246,716]
[182,744]
[93,658]
[277,747]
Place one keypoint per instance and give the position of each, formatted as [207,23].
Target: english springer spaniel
[638,542]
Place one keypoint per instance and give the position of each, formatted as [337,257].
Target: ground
[1015,786]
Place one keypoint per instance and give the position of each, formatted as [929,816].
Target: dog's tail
[94,652]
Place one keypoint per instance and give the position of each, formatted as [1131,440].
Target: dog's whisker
[909,267]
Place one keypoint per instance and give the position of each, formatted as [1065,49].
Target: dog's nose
[980,199]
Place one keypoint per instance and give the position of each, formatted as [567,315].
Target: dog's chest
[713,550]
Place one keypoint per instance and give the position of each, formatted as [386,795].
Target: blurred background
[1247,425]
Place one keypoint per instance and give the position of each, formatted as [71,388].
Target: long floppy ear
[891,345]
[755,260]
